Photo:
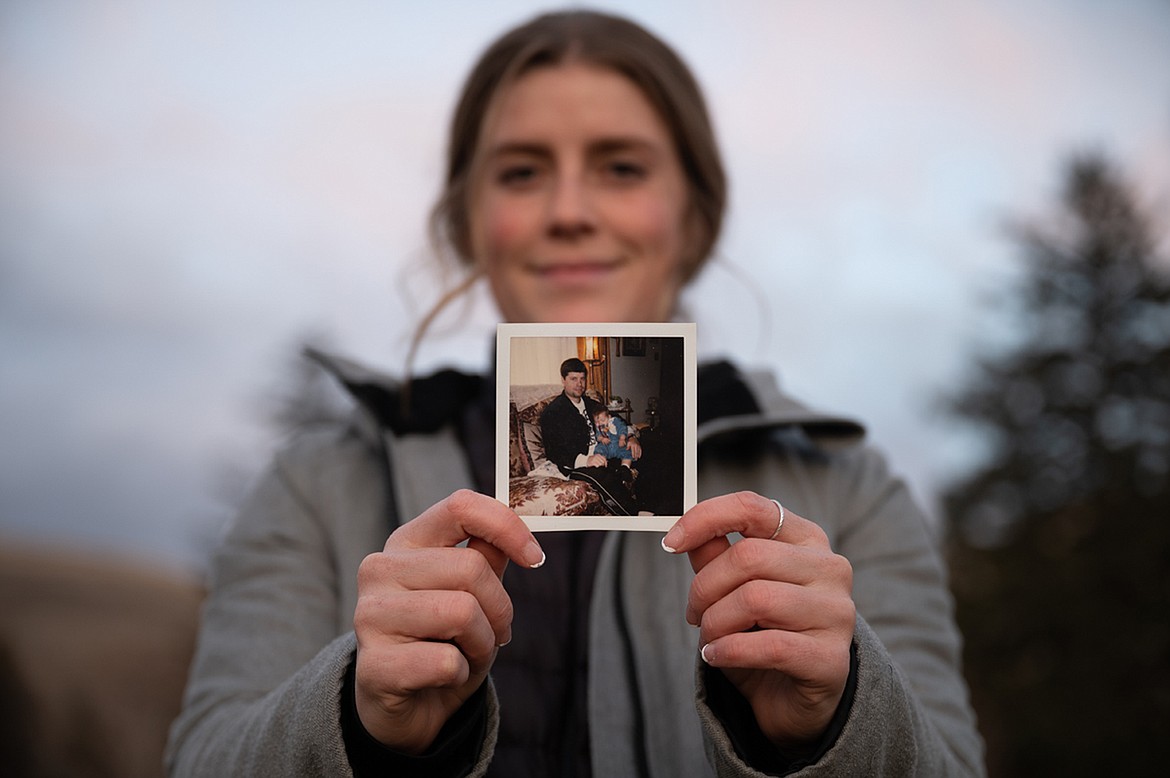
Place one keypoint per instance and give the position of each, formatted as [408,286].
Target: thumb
[496,558]
[706,552]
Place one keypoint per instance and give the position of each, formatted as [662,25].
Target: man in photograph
[570,438]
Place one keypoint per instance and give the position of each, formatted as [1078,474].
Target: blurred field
[93,657]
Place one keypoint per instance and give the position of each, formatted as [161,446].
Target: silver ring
[779,523]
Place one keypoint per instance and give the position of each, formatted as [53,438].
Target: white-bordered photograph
[595,424]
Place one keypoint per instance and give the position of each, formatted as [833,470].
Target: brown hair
[572,365]
[598,39]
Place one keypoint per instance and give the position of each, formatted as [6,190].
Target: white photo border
[686,331]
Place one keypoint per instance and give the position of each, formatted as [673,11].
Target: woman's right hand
[431,616]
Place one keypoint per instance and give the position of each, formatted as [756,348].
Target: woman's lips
[576,272]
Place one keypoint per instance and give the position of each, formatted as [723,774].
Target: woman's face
[579,208]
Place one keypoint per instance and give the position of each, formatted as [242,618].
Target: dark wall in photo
[660,487]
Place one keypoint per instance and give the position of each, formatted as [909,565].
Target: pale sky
[186,192]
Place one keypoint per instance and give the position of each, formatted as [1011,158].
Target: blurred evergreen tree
[1060,542]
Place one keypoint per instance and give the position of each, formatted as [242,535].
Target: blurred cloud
[186,190]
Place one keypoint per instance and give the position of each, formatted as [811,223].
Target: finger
[410,667]
[703,555]
[807,658]
[496,559]
[752,559]
[403,617]
[430,568]
[778,606]
[440,569]
[464,515]
[744,512]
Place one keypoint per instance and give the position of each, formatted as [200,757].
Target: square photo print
[595,424]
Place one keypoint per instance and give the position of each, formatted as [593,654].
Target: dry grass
[93,658]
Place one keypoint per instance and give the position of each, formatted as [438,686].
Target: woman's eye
[517,175]
[624,170]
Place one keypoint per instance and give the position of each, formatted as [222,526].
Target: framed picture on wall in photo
[634,347]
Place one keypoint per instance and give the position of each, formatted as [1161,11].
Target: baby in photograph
[612,437]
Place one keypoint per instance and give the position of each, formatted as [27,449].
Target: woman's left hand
[775,614]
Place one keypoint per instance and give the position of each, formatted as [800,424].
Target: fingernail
[672,539]
[692,617]
[703,653]
[506,642]
[534,549]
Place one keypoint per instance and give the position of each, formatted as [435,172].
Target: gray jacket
[277,635]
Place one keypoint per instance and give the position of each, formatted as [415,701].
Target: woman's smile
[576,271]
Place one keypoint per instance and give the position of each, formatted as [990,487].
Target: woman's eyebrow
[603,145]
[622,143]
[528,148]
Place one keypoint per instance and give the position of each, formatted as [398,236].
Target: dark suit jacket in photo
[565,432]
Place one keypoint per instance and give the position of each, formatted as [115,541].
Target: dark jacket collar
[729,401]
[427,405]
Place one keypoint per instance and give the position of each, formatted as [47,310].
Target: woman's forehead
[589,104]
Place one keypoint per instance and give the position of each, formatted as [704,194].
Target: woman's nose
[570,209]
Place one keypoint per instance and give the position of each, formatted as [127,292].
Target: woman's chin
[590,310]
[624,298]
[570,315]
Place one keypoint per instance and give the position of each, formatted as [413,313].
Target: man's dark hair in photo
[572,365]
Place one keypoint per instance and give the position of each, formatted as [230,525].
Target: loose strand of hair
[448,297]
[754,289]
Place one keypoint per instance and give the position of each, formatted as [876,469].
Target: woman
[584,184]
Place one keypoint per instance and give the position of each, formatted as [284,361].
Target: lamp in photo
[593,352]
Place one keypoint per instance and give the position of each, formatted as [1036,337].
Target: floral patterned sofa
[535,486]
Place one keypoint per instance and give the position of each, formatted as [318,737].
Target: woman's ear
[696,244]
